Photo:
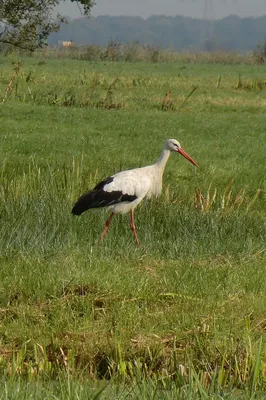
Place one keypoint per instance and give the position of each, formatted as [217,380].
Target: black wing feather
[98,197]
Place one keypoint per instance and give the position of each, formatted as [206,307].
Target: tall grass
[129,86]
[135,52]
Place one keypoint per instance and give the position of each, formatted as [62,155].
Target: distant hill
[179,33]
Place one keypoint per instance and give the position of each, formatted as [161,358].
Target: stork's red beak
[187,156]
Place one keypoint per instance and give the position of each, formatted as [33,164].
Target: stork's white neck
[161,163]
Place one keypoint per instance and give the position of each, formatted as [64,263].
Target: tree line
[30,24]
[180,33]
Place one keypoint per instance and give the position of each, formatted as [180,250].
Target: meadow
[182,317]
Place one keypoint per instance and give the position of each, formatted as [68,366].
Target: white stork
[123,191]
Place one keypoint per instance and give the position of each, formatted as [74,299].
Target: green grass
[188,307]
[68,388]
[135,86]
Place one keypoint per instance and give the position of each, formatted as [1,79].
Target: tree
[260,52]
[28,23]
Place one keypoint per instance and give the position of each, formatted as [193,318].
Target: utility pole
[207,22]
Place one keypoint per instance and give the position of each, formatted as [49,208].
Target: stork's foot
[107,224]
[133,228]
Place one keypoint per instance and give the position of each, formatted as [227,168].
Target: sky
[192,8]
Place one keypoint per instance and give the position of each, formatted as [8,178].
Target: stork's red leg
[107,224]
[133,228]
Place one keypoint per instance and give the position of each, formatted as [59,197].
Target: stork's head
[174,145]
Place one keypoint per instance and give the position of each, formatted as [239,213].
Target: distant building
[66,44]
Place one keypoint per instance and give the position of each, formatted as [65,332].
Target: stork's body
[123,191]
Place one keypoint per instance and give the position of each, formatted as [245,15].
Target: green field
[184,316]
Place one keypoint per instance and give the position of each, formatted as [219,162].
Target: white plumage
[123,191]
[133,183]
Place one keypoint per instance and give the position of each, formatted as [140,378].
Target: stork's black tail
[99,197]
[83,203]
